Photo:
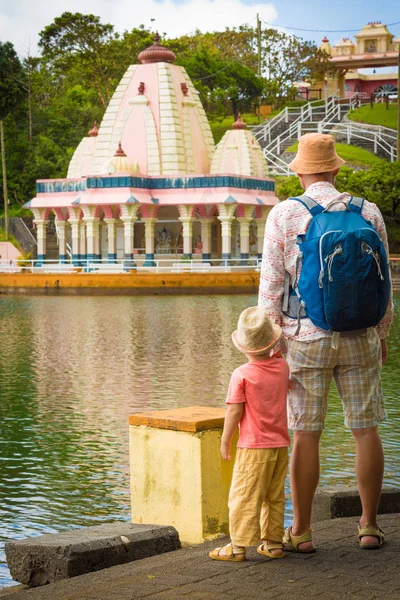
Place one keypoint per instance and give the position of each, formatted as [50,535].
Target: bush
[288,186]
[380,184]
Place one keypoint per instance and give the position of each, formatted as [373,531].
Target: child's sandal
[229,555]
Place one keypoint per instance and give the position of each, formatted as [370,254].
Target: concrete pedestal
[178,477]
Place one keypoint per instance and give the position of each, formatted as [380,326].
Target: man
[313,357]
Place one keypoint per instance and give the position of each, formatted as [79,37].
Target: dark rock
[340,501]
[49,558]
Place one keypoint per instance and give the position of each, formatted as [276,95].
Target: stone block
[49,558]
[341,501]
[175,464]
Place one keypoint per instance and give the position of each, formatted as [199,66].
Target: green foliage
[288,186]
[222,83]
[77,39]
[378,114]
[12,79]
[381,184]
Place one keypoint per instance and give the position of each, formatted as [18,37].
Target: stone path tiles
[339,569]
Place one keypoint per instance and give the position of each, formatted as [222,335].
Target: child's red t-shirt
[262,386]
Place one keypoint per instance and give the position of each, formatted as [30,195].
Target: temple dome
[157,116]
[325,45]
[122,164]
[239,153]
[156,53]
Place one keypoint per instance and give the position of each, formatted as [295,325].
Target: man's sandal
[368,531]
[265,550]
[229,555]
[292,542]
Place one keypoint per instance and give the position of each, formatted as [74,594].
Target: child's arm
[233,416]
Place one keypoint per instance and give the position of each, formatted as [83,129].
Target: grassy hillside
[377,115]
[351,154]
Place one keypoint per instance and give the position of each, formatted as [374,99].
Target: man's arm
[384,325]
[272,276]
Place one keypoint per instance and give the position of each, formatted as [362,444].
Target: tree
[287,59]
[12,79]
[381,185]
[224,82]
[77,39]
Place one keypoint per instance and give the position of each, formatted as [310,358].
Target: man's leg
[304,477]
[311,367]
[369,471]
[358,380]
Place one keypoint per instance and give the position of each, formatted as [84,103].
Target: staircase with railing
[329,116]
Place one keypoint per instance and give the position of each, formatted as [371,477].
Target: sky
[22,20]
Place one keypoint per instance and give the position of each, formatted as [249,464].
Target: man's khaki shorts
[356,368]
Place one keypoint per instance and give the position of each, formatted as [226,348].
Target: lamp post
[398,109]
[5,190]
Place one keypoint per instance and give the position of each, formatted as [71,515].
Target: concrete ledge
[192,419]
[49,558]
[341,501]
[134,283]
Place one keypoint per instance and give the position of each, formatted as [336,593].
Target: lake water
[73,369]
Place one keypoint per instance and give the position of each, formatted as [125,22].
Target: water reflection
[73,369]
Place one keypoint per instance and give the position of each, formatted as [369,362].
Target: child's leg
[273,507]
[246,495]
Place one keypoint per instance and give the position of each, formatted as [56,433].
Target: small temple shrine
[374,47]
[149,180]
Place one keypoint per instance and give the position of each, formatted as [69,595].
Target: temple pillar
[226,231]
[41,225]
[206,237]
[75,226]
[149,223]
[112,241]
[82,242]
[244,223]
[260,236]
[92,238]
[341,82]
[62,241]
[129,238]
[187,224]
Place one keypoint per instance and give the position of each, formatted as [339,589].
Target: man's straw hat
[255,333]
[316,154]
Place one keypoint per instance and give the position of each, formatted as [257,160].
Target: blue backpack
[344,283]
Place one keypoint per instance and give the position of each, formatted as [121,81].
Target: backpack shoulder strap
[313,207]
[356,204]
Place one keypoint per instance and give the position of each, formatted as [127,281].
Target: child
[257,403]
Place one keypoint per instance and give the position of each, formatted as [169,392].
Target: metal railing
[293,115]
[289,114]
[383,139]
[158,265]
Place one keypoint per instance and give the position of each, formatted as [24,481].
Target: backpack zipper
[330,258]
[296,278]
[368,250]
[321,260]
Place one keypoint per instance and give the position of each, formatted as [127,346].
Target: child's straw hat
[255,333]
[316,154]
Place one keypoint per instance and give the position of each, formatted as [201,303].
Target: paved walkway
[339,569]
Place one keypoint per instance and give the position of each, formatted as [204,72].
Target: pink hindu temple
[149,181]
